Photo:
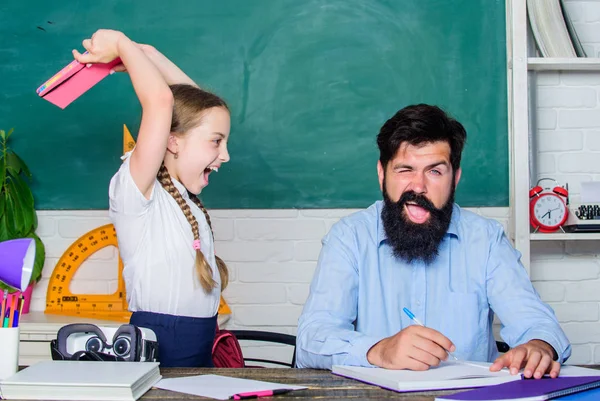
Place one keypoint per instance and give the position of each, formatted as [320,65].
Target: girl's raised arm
[154,95]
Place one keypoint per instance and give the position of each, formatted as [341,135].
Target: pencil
[4,299]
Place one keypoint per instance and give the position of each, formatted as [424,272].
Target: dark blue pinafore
[182,341]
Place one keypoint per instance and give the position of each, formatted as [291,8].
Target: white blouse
[155,243]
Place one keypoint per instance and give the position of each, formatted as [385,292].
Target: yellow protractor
[60,300]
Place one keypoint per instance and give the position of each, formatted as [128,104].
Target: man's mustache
[417,199]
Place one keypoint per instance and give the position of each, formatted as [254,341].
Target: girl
[172,276]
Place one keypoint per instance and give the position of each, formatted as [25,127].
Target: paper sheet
[219,387]
[590,192]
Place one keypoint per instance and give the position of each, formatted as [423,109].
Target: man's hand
[414,348]
[536,356]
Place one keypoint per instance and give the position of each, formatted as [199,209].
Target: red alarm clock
[548,209]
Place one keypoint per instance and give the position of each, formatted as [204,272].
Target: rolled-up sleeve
[513,298]
[326,331]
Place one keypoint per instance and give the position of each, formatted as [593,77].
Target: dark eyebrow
[429,167]
[440,163]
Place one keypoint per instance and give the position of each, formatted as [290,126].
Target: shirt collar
[452,228]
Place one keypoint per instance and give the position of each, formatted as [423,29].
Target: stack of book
[81,380]
[553,30]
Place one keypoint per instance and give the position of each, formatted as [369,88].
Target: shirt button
[418,303]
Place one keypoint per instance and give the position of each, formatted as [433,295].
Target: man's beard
[412,241]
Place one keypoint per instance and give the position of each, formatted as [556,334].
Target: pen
[417,321]
[256,394]
[19,310]
[13,308]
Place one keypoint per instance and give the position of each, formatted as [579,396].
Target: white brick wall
[271,256]
[272,253]
[567,273]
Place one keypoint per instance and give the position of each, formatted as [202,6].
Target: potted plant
[17,213]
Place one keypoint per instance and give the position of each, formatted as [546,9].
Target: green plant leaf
[10,215]
[24,205]
[40,257]
[35,221]
[2,174]
[11,171]
[15,164]
[2,134]
[13,158]
[3,228]
[28,217]
[9,133]
[20,224]
[2,204]
[24,191]
[8,219]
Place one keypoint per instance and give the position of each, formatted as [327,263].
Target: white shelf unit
[563,64]
[520,65]
[564,236]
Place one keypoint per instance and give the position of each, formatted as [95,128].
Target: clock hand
[550,212]
[547,213]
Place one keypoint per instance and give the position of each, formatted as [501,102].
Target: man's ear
[380,174]
[172,144]
[457,177]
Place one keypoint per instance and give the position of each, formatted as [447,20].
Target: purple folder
[528,389]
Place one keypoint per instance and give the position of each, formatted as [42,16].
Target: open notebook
[81,380]
[448,375]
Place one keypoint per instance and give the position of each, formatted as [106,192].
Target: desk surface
[322,385]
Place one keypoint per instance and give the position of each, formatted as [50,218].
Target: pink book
[73,81]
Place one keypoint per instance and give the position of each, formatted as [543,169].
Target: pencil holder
[9,349]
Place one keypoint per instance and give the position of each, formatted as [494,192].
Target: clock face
[549,210]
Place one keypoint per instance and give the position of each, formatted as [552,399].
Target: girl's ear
[172,144]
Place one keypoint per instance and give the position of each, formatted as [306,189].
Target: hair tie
[197,244]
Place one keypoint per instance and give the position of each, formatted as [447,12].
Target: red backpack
[226,350]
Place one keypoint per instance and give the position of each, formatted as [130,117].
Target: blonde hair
[190,103]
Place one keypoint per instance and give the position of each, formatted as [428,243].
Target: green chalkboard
[309,84]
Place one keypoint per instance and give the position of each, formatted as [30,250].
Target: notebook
[528,390]
[73,81]
[81,380]
[588,395]
[448,375]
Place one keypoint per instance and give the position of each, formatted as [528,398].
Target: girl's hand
[145,48]
[102,47]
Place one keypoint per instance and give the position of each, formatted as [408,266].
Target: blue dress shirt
[359,290]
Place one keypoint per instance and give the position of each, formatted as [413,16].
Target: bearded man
[418,250]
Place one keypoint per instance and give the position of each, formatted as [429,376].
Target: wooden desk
[322,385]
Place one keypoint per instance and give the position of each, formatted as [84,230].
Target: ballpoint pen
[417,321]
